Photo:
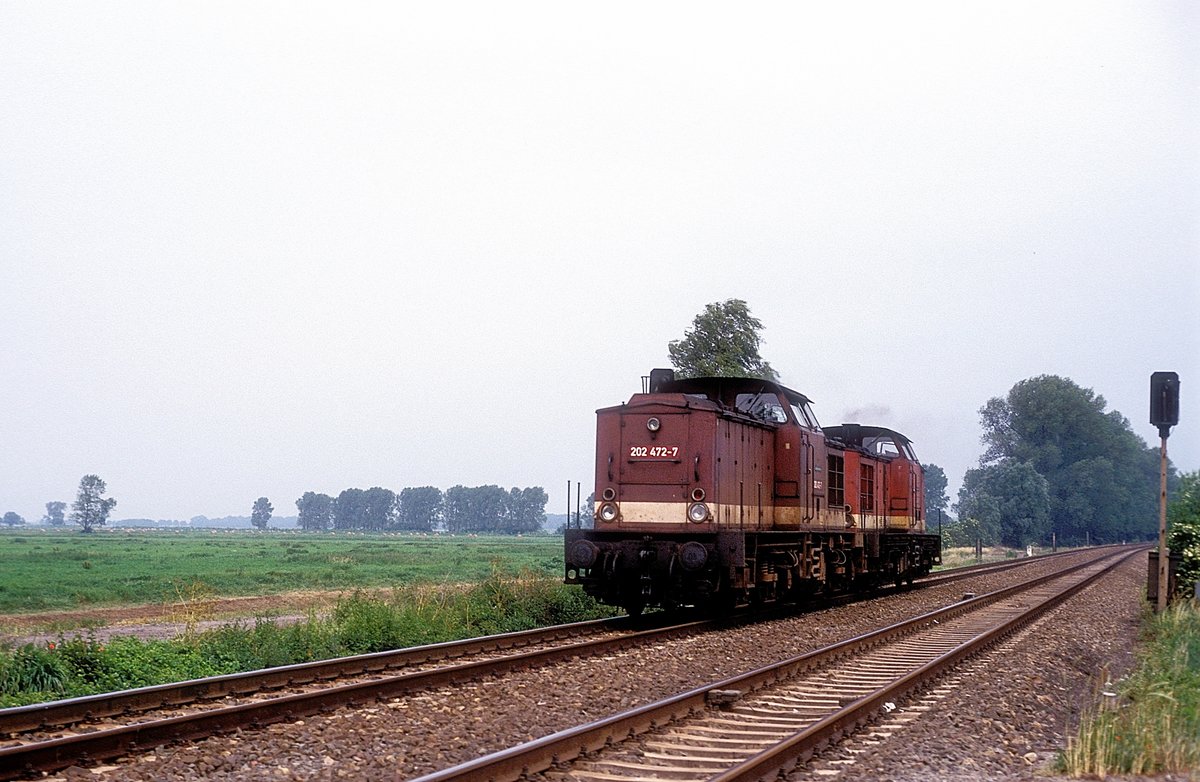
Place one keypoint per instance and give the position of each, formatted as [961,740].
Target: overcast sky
[256,249]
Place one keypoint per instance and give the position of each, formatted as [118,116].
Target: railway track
[51,736]
[55,735]
[758,724]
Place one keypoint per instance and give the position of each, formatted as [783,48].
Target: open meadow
[45,570]
[339,593]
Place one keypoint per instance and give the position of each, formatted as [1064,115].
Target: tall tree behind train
[1009,501]
[936,498]
[1102,479]
[91,507]
[723,341]
[260,514]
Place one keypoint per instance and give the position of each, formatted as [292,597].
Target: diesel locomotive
[720,492]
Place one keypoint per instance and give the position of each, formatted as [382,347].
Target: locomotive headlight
[698,512]
[607,512]
[654,424]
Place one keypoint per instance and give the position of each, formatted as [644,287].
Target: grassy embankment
[964,556]
[1148,723]
[488,585]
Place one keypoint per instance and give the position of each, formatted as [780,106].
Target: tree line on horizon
[459,509]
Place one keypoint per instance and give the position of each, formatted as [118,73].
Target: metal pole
[568,503]
[1163,553]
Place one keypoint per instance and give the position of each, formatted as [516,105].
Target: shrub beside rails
[720,492]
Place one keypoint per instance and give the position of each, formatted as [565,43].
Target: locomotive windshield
[880,446]
[888,446]
[763,406]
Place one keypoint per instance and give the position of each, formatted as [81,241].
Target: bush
[365,625]
[1184,538]
[126,663]
[33,669]
[236,647]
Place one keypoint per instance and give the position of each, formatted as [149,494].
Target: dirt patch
[163,620]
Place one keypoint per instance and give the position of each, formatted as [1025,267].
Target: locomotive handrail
[809,509]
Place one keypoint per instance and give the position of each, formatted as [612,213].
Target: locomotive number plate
[653,451]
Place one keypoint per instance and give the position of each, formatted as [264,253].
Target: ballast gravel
[1006,721]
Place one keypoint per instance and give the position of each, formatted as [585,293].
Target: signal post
[1164,413]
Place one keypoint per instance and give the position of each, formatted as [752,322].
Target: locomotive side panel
[743,475]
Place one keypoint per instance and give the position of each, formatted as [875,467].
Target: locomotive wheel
[634,608]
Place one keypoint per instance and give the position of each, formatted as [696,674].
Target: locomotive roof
[722,387]
[855,434]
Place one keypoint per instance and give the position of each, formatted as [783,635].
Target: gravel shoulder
[1007,714]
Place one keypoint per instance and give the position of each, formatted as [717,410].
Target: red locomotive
[722,491]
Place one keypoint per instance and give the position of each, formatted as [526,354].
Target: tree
[350,509]
[1102,477]
[420,508]
[261,513]
[935,490]
[978,519]
[316,511]
[378,509]
[492,509]
[723,341]
[91,508]
[13,519]
[525,510]
[55,514]
[1010,500]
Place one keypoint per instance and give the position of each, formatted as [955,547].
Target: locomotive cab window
[881,446]
[763,406]
[804,416]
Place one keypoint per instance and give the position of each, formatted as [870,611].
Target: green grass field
[49,570]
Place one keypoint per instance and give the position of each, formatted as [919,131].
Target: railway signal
[1164,413]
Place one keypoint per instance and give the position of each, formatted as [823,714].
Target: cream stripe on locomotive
[781,517]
